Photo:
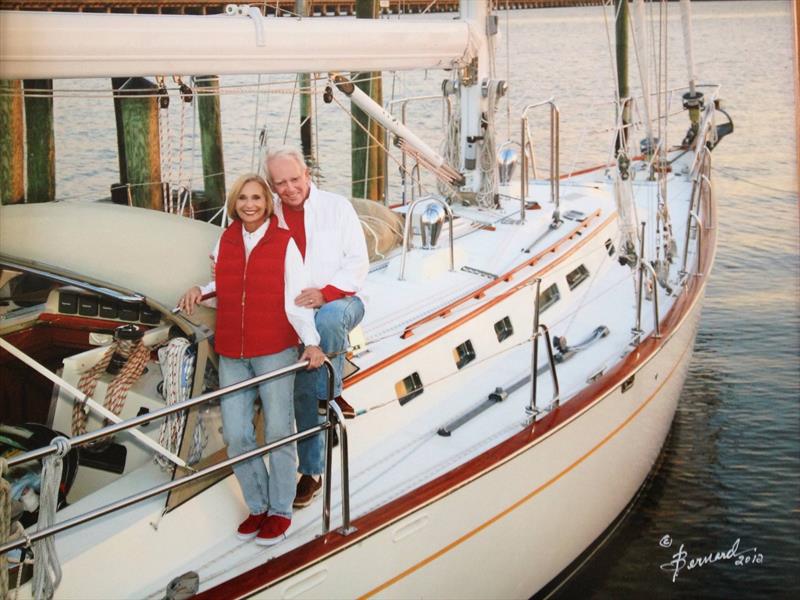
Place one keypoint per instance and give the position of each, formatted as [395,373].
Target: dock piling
[12,175]
[40,141]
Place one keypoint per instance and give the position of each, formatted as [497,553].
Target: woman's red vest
[251,318]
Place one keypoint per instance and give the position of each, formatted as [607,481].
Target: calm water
[731,467]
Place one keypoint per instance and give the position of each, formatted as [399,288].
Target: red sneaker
[251,526]
[273,530]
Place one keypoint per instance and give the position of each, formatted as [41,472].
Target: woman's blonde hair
[236,189]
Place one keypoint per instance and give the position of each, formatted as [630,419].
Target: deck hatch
[409,388]
[464,354]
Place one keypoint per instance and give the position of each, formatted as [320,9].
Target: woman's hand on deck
[190,299]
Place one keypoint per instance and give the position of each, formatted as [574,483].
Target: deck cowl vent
[430,224]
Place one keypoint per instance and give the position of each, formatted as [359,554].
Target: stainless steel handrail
[701,183]
[91,436]
[555,173]
[532,409]
[645,266]
[125,502]
[408,230]
[16,265]
[155,491]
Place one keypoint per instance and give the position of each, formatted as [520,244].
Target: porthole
[464,354]
[577,276]
[408,388]
[503,329]
[548,297]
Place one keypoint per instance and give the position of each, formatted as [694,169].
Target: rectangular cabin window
[87,306]
[503,329]
[67,303]
[577,276]
[610,247]
[129,311]
[464,354]
[409,388]
[548,297]
[109,308]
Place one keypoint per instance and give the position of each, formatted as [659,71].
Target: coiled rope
[177,366]
[46,567]
[137,354]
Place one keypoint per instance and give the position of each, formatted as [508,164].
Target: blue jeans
[334,321]
[263,492]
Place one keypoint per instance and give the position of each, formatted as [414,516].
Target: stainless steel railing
[327,426]
[646,266]
[701,189]
[532,409]
[527,143]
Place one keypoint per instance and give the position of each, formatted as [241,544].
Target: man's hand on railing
[314,355]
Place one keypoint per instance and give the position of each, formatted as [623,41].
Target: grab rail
[701,186]
[327,426]
[554,152]
[532,409]
[645,266]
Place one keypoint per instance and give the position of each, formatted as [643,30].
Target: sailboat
[516,375]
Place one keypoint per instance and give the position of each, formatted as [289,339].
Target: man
[327,231]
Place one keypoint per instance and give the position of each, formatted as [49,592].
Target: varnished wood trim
[481,292]
[474,313]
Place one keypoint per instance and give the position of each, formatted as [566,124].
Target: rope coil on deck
[137,355]
[177,367]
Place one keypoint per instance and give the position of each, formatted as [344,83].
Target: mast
[622,23]
[306,113]
[641,41]
[474,79]
[623,192]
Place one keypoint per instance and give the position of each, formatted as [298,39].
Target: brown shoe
[307,489]
[348,411]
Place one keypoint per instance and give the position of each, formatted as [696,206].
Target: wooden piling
[208,110]
[40,140]
[138,113]
[12,176]
[118,192]
[367,166]
[303,7]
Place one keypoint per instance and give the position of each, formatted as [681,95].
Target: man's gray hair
[283,152]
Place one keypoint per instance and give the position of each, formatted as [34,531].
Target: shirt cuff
[331,293]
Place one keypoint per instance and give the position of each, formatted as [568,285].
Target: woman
[259,271]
